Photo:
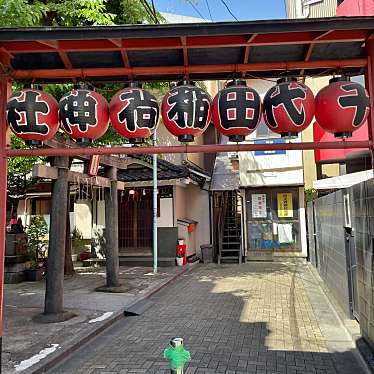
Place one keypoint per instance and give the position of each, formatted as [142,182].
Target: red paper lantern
[134,114]
[342,107]
[84,115]
[288,108]
[186,111]
[32,115]
[236,110]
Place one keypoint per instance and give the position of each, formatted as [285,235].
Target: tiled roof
[165,170]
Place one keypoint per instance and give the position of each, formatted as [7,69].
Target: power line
[210,14]
[196,10]
[148,9]
[228,9]
[154,9]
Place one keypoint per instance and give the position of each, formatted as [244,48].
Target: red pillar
[5,89]
[369,81]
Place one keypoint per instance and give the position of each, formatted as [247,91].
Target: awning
[200,50]
[343,181]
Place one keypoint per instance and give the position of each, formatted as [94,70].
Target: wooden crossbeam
[59,142]
[50,172]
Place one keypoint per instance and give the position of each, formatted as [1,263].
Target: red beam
[182,70]
[311,46]
[323,34]
[210,148]
[49,43]
[308,53]
[247,52]
[116,42]
[185,51]
[340,36]
[333,36]
[369,76]
[55,45]
[65,59]
[126,61]
[19,47]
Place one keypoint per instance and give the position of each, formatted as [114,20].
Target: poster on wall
[259,205]
[285,208]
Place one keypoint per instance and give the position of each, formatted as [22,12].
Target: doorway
[273,222]
[135,217]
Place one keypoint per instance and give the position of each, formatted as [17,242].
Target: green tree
[75,12]
[19,175]
[37,242]
[26,13]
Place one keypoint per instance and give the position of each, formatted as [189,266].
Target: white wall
[83,217]
[304,246]
[271,170]
[166,213]
[192,203]
[244,222]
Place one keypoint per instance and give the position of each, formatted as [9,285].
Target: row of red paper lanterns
[288,108]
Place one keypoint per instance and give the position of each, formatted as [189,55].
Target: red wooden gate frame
[159,71]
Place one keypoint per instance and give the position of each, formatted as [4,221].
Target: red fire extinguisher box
[182,251]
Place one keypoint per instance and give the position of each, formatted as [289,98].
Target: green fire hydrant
[177,356]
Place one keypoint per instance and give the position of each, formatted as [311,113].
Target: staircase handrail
[221,222]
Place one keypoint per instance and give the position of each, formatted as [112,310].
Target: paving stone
[251,318]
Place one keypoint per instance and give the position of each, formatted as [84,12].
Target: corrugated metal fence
[341,244]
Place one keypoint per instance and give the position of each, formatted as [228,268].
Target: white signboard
[259,205]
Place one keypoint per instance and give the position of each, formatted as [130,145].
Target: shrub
[37,242]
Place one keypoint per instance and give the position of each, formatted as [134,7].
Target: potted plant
[37,244]
[77,242]
[98,244]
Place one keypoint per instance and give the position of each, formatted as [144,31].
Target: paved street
[24,338]
[253,318]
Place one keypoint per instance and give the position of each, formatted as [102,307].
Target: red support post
[369,80]
[5,89]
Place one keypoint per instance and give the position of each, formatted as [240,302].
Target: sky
[242,9]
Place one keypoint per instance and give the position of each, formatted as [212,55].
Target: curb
[160,287]
[359,350]
[59,355]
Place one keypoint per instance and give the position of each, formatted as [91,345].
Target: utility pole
[154,206]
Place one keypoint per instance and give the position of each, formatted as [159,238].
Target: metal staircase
[230,249]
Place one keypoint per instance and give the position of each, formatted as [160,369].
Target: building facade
[311,8]
[326,163]
[271,189]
